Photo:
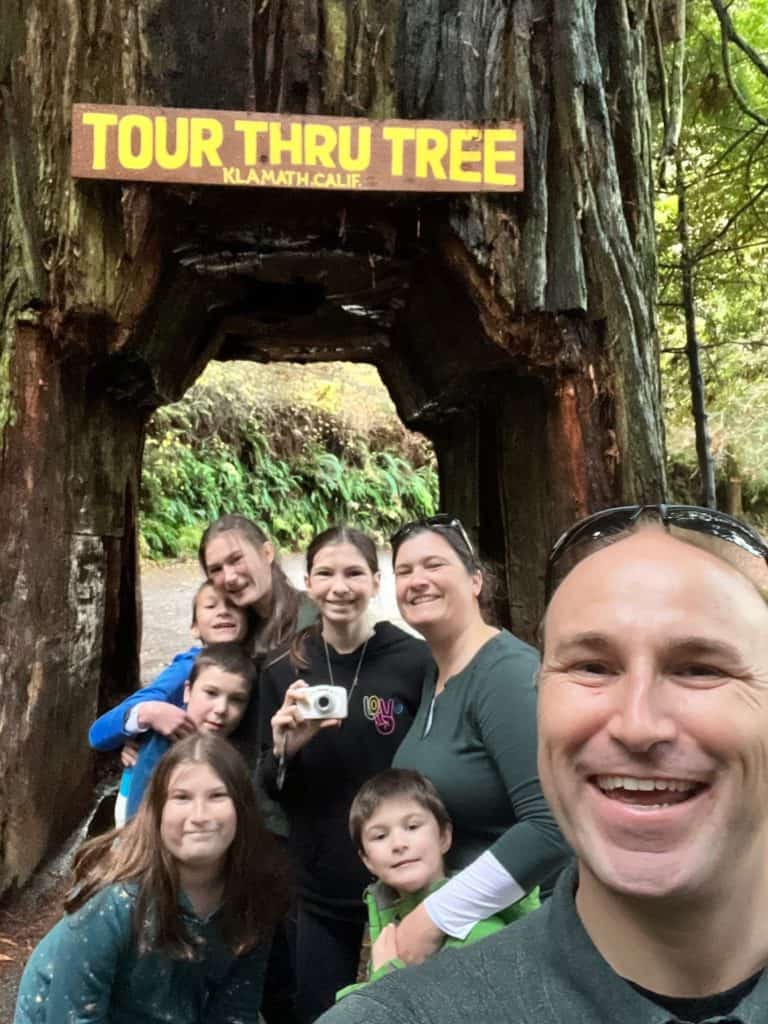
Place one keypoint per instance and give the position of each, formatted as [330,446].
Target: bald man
[653,754]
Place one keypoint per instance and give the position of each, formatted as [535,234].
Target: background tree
[723,174]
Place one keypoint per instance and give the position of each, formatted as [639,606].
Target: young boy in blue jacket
[216,696]
[160,707]
[402,832]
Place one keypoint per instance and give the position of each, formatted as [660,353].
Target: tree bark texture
[518,331]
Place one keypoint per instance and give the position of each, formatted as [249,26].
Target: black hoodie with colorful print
[323,778]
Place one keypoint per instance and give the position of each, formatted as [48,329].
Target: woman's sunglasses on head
[440,521]
[611,521]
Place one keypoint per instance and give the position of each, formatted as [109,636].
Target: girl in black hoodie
[325,762]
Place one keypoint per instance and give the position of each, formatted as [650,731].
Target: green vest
[385,906]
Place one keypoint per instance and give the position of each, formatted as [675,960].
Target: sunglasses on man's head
[440,521]
[613,521]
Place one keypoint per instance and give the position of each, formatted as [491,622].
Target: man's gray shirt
[541,970]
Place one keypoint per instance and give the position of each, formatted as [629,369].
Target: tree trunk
[518,331]
[562,278]
[734,505]
[692,351]
[69,473]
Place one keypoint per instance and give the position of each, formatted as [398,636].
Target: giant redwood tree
[517,331]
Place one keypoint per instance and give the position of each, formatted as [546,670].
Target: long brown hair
[279,626]
[255,887]
[333,535]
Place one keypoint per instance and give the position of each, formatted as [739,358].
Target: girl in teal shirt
[170,918]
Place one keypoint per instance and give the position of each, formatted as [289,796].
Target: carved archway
[517,332]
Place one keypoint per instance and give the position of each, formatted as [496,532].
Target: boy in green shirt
[402,832]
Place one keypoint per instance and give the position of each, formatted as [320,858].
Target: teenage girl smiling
[324,762]
[240,561]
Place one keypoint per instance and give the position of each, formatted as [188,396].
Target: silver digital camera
[324,702]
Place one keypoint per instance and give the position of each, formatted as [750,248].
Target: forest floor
[167,592]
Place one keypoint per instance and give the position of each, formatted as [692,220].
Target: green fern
[293,469]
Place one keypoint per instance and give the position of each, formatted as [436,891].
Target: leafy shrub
[291,458]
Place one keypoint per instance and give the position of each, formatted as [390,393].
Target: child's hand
[418,936]
[166,719]
[129,755]
[290,731]
[384,948]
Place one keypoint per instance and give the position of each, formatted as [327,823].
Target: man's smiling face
[653,717]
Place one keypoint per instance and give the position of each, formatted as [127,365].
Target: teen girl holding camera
[314,767]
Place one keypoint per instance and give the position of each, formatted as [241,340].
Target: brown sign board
[224,147]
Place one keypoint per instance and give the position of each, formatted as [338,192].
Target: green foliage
[725,160]
[284,452]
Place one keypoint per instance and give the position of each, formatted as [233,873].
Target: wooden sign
[219,147]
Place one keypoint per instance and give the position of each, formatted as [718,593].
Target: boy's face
[403,845]
[216,620]
[217,700]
